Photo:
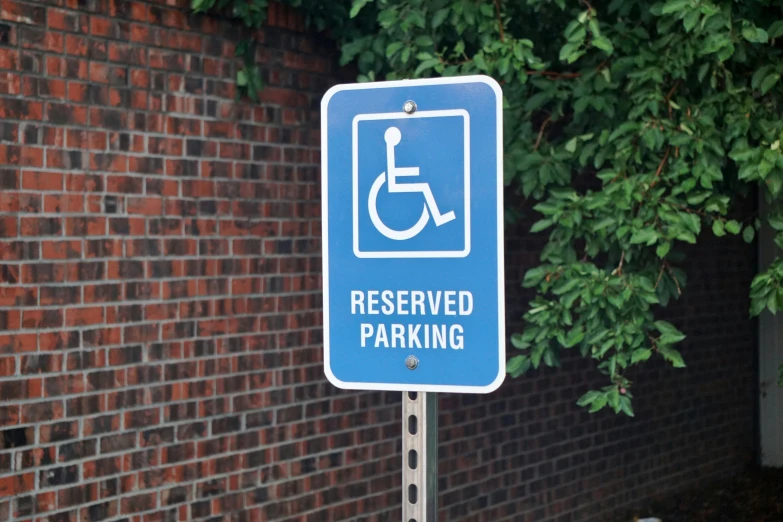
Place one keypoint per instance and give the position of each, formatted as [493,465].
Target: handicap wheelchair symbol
[392,136]
[417,180]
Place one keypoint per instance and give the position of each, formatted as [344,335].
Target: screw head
[409,107]
[412,362]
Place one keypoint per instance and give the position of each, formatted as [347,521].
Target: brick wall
[160,352]
[160,276]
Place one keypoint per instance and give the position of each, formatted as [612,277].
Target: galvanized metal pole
[419,457]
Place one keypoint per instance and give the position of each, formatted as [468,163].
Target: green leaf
[769,82]
[691,19]
[538,226]
[669,334]
[242,77]
[672,355]
[518,365]
[575,336]
[755,34]
[776,222]
[672,6]
[605,222]
[625,406]
[424,41]
[614,399]
[776,29]
[645,235]
[748,234]
[718,229]
[588,398]
[406,54]
[567,50]
[534,276]
[519,341]
[515,363]
[604,44]
[760,74]
[425,65]
[663,249]
[598,403]
[439,17]
[537,100]
[392,48]
[479,61]
[733,227]
[357,6]
[571,145]
[640,355]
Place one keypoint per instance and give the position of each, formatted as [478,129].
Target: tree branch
[500,21]
[669,96]
[541,132]
[660,167]
[619,269]
[676,283]
[660,274]
[553,74]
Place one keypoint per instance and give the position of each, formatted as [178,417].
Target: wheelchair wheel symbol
[392,136]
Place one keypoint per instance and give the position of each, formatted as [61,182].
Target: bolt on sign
[412,209]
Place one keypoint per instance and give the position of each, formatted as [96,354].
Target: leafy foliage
[635,126]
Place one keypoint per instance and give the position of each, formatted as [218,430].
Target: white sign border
[432,388]
[466,190]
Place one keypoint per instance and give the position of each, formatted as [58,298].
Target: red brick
[54,137]
[69,249]
[81,139]
[41,226]
[10,83]
[99,73]
[84,316]
[32,180]
[62,20]
[22,13]
[14,485]
[41,39]
[140,78]
[7,366]
[109,163]
[102,26]
[147,206]
[64,204]
[85,226]
[77,45]
[34,319]
[9,59]
[17,296]
[17,343]
[31,157]
[163,187]
[10,202]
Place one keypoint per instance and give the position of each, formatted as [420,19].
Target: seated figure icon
[411,185]
[392,136]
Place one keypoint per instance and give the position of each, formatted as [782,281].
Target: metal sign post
[413,272]
[419,457]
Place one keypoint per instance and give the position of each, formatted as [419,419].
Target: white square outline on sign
[499,227]
[355,160]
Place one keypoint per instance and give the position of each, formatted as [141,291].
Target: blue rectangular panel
[413,235]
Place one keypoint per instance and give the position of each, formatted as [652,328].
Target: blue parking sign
[412,209]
